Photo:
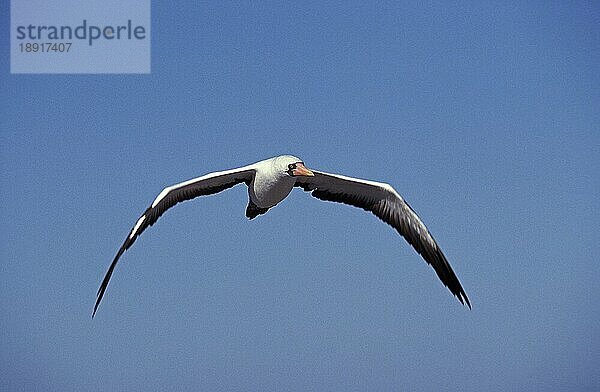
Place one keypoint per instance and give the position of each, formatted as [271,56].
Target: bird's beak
[301,170]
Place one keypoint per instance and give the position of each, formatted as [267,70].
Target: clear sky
[485,117]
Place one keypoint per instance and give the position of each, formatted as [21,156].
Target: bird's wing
[201,186]
[383,201]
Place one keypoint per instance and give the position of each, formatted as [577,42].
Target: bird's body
[270,185]
[271,181]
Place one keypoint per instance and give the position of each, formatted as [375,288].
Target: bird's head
[294,167]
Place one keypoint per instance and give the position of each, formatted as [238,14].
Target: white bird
[271,180]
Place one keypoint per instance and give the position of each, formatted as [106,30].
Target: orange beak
[301,170]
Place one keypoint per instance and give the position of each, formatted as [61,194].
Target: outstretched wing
[201,186]
[383,201]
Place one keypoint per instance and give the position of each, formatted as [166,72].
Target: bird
[270,181]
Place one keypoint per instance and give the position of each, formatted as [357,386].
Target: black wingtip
[462,297]
[98,299]
[100,295]
[447,276]
[467,301]
[104,284]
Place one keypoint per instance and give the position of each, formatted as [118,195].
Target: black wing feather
[385,203]
[204,186]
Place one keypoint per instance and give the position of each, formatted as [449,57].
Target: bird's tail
[252,211]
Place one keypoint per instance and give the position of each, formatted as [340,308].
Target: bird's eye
[292,166]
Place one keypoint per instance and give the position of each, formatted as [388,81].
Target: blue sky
[484,117]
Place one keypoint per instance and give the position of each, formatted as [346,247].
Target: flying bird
[271,180]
